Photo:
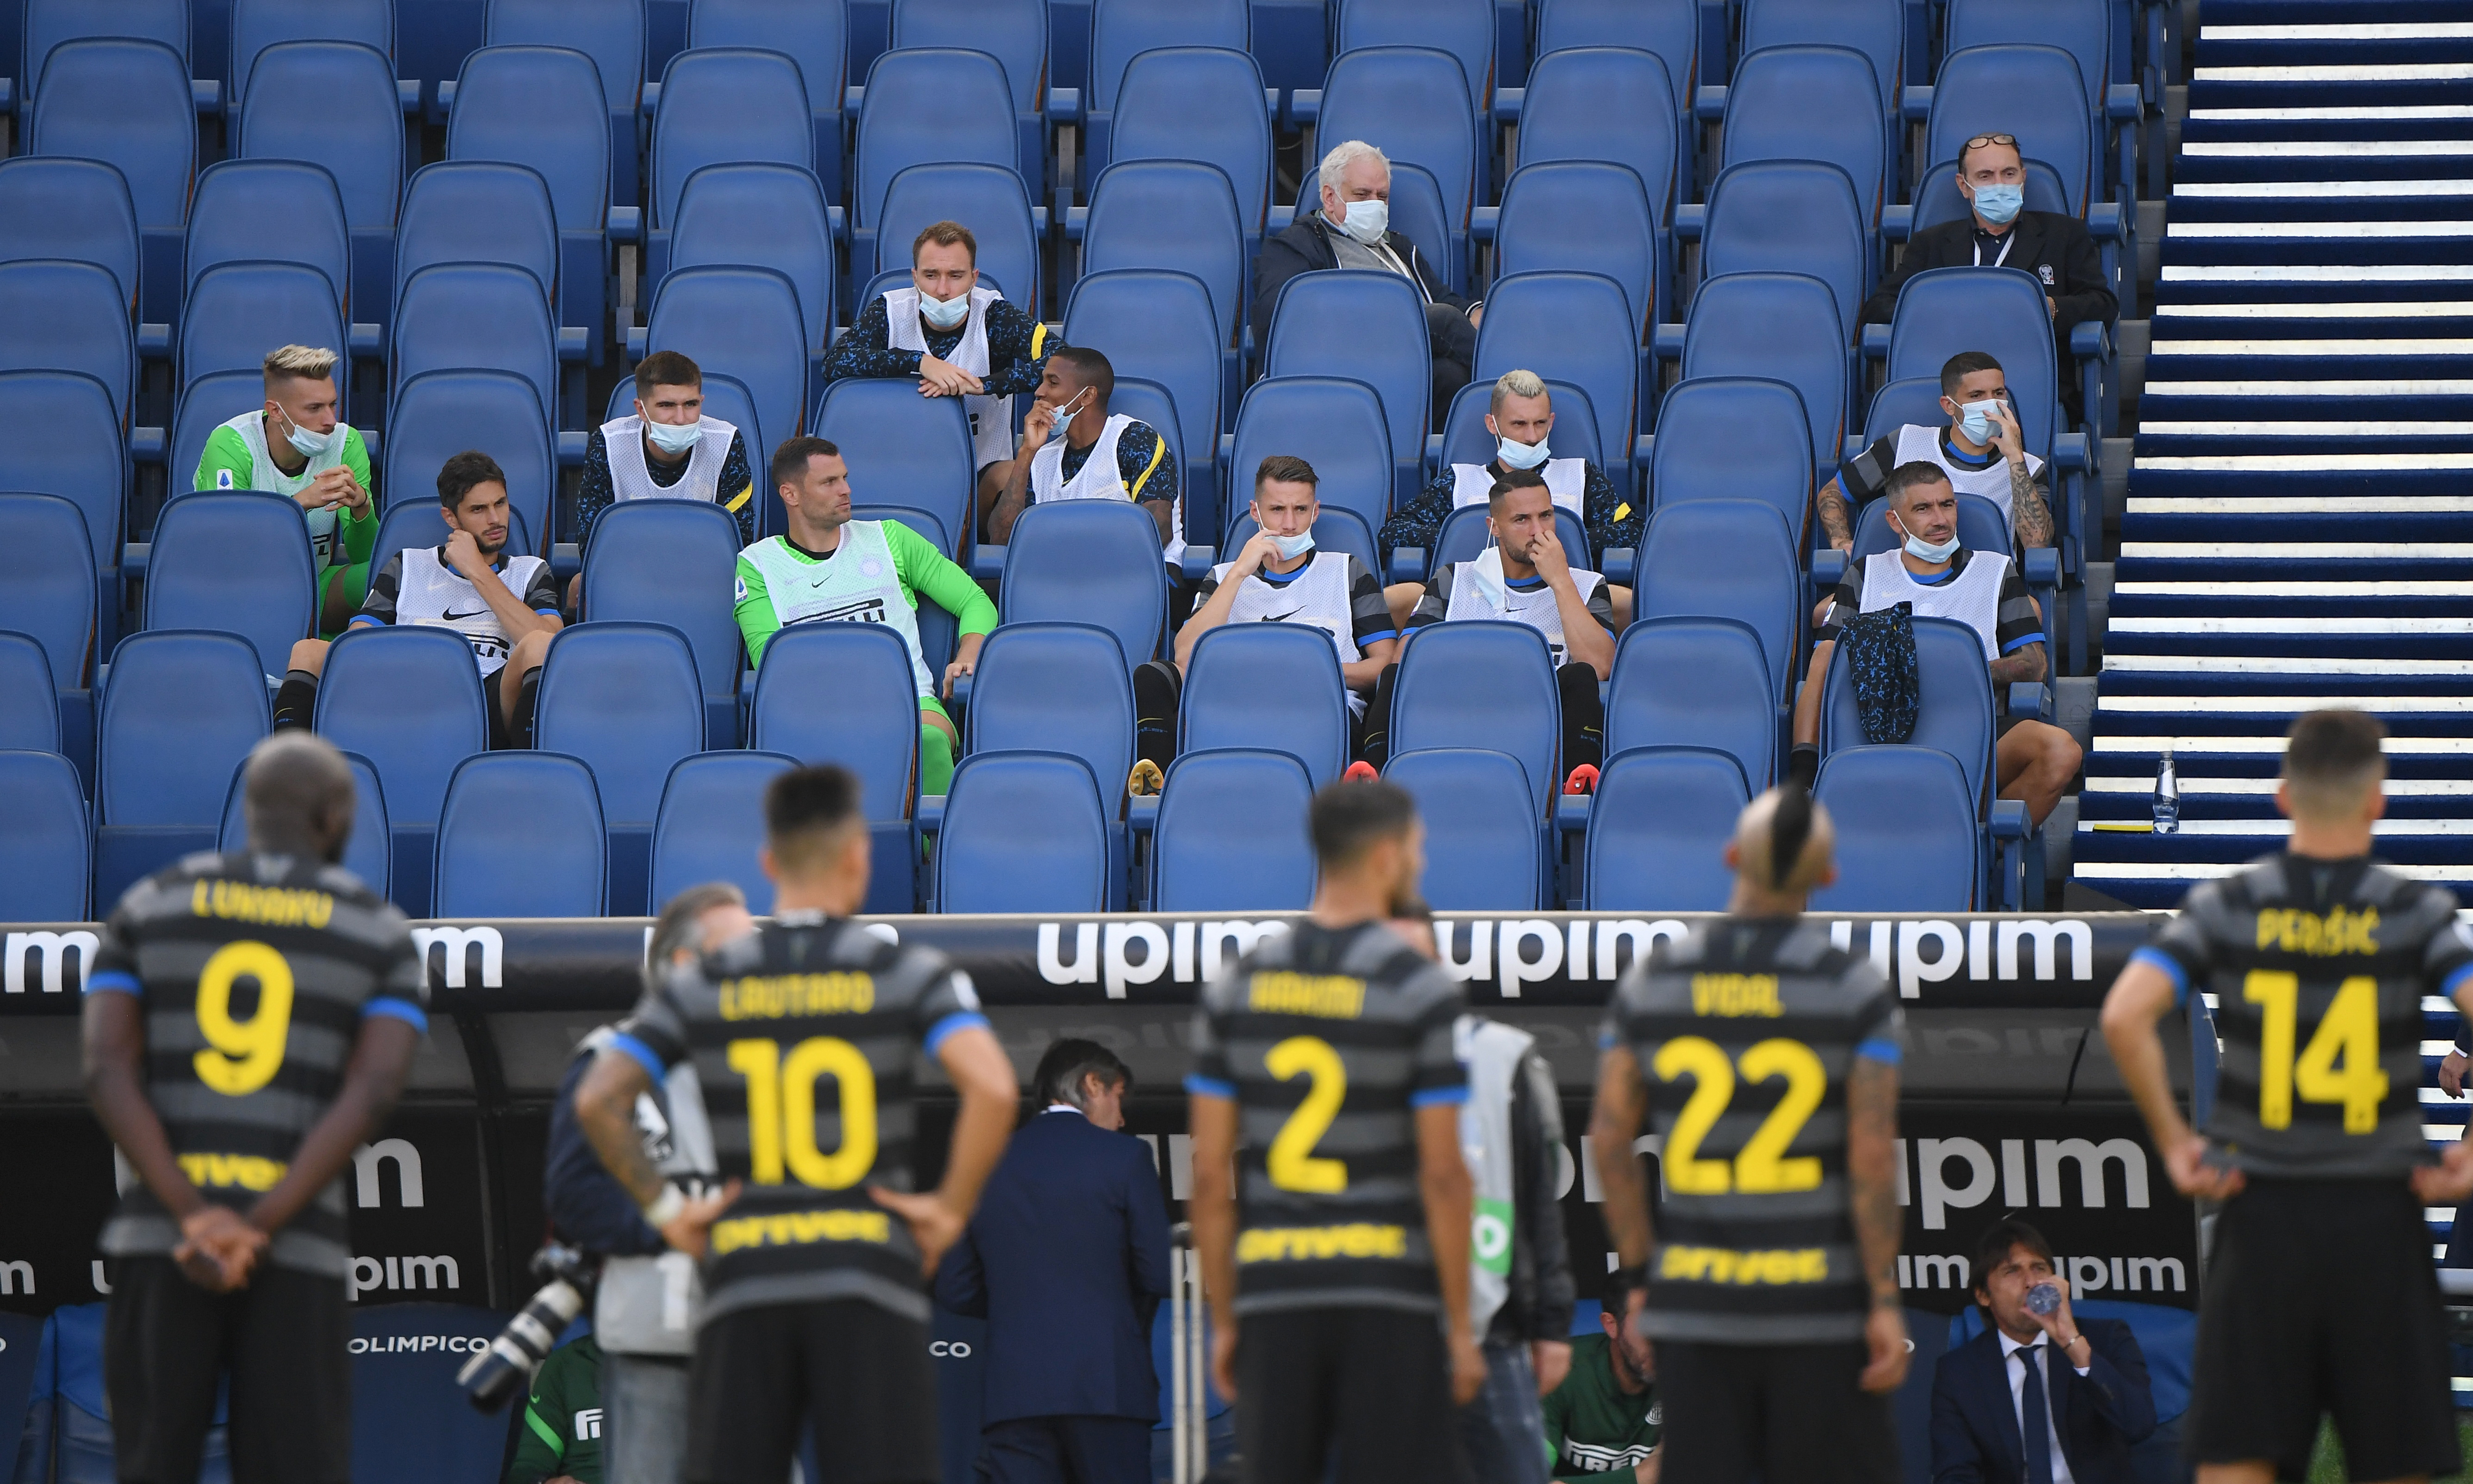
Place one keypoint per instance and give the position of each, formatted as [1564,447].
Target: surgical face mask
[1073,405]
[1925,551]
[945,313]
[1515,454]
[1291,547]
[308,444]
[1367,220]
[1977,421]
[1999,204]
[674,438]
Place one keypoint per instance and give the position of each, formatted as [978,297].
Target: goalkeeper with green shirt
[832,569]
[560,1441]
[1604,1420]
[297,447]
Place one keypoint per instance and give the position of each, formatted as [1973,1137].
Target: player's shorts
[929,705]
[282,1340]
[2320,1297]
[1373,1382]
[1780,1412]
[855,1370]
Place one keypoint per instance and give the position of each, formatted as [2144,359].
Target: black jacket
[1539,1304]
[2051,247]
[1306,247]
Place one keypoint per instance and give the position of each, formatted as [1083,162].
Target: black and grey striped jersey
[2318,969]
[255,972]
[1329,1041]
[1745,1031]
[806,1038]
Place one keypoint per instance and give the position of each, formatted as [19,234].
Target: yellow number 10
[243,1055]
[781,1110]
[2347,1033]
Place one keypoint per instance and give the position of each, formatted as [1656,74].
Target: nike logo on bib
[1281,618]
[450,615]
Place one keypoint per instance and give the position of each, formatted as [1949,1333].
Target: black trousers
[1584,718]
[1452,340]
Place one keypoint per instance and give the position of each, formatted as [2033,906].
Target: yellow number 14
[2340,1065]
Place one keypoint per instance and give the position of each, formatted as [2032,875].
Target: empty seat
[1484,847]
[1160,326]
[673,561]
[44,864]
[47,25]
[237,561]
[1728,559]
[1413,100]
[1368,326]
[712,825]
[1584,216]
[2091,32]
[258,24]
[611,32]
[522,836]
[1466,29]
[1122,30]
[1611,104]
[1875,28]
[237,312]
[410,700]
[1230,835]
[1906,831]
[1013,32]
[722,105]
[1023,833]
[442,412]
[930,105]
[1335,425]
[77,209]
[1658,831]
[814,34]
[541,107]
[1059,687]
[270,210]
[1954,703]
[58,316]
[179,712]
[1781,325]
[1573,326]
[1273,686]
[47,588]
[1667,29]
[761,216]
[843,693]
[1205,103]
[478,211]
[623,697]
[1817,102]
[901,445]
[30,711]
[367,853]
[81,457]
[1795,216]
[990,200]
[1091,562]
[743,323]
[1734,438]
[2034,92]
[477,316]
[128,104]
[335,103]
[1483,684]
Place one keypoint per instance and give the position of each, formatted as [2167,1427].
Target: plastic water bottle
[2168,798]
[2043,1297]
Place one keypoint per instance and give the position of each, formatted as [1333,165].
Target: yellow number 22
[243,1055]
[1292,1164]
[781,1110]
[2347,1034]
[1760,1167]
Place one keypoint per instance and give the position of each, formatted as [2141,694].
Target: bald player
[1768,1058]
[248,1023]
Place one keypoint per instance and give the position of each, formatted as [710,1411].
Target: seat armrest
[149,446]
[853,98]
[1849,451]
[1142,814]
[1915,104]
[987,563]
[572,341]
[207,94]
[636,342]
[1709,105]
[1075,218]
[2105,222]
[134,557]
[1408,563]
[1666,341]
[649,101]
[407,95]
[367,341]
[2042,567]
[1571,813]
[1305,105]
[571,448]
[2030,701]
[1483,221]
[1064,105]
[1897,222]
[1619,565]
[2122,101]
[1828,569]
[1644,451]
[8,95]
[1197,562]
[445,97]
[2088,339]
[1433,449]
[929,813]
[2008,820]
[1282,219]
[1507,104]
[153,342]
[626,224]
[1876,342]
[962,689]
[566,558]
[1689,221]
[373,444]
[2075,453]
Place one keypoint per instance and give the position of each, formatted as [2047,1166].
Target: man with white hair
[1352,230]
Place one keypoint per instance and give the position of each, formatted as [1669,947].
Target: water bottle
[2168,798]
[2043,1297]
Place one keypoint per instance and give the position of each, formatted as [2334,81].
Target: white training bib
[990,417]
[631,473]
[1972,596]
[1991,481]
[857,583]
[1566,480]
[1101,479]
[1479,591]
[1317,596]
[434,594]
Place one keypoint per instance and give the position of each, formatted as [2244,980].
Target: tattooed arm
[2030,513]
[1835,523]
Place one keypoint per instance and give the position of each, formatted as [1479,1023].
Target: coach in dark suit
[2036,1398]
[1066,1260]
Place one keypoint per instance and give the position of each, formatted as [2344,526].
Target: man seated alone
[956,338]
[505,607]
[296,446]
[831,568]
[1944,580]
[1520,414]
[1982,451]
[1604,1420]
[1102,456]
[1525,578]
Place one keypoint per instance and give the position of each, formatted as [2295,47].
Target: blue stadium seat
[81,457]
[1728,559]
[1590,217]
[762,216]
[1734,438]
[419,523]
[1275,687]
[2034,92]
[1980,528]
[1160,326]
[726,400]
[989,199]
[930,105]
[743,323]
[258,24]
[1230,835]
[47,592]
[478,317]
[1122,30]
[1342,531]
[1816,103]
[1335,425]
[1658,831]
[1612,104]
[58,316]
[522,836]
[1061,687]
[901,446]
[1483,684]
[1023,833]
[45,867]
[712,825]
[608,31]
[1914,399]
[1781,325]
[1954,711]
[624,697]
[237,312]
[237,561]
[814,34]
[77,209]
[367,855]
[179,713]
[1575,435]
[844,693]
[411,702]
[541,107]
[1093,562]
[1413,100]
[440,414]
[673,561]
[1943,311]
[335,103]
[1667,29]
[1369,326]
[1795,216]
[30,709]
[1938,198]
[1148,402]
[479,211]
[46,25]
[128,104]
[1572,327]
[1015,33]
[720,106]
[203,406]
[1906,831]
[1204,104]
[1484,851]
[270,210]
[1694,682]
[1875,28]
[1464,533]
[1466,29]
[2087,30]
[1178,214]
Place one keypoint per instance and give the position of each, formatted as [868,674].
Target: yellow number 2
[781,1110]
[2340,1065]
[1292,1163]
[243,1055]
[1760,1167]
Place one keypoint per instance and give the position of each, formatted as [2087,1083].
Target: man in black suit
[2036,1398]
[1066,1260]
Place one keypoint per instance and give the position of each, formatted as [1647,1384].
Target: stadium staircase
[2299,525]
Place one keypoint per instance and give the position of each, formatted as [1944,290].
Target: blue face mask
[1999,204]
[945,313]
[1975,421]
[1515,454]
[1924,551]
[1291,547]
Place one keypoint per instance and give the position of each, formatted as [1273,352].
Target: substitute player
[804,1035]
[1326,1054]
[1769,1059]
[2320,1295]
[249,1022]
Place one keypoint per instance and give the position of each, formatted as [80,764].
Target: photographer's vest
[1491,1052]
[857,583]
[646,1305]
[1100,478]
[631,474]
[1478,590]
[1566,480]
[431,593]
[1971,595]
[990,417]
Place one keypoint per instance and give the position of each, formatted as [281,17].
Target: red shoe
[1360,773]
[1583,779]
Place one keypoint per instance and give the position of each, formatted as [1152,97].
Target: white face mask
[674,438]
[945,314]
[1366,220]
[1065,414]
[1925,551]
[1519,455]
[308,444]
[1291,547]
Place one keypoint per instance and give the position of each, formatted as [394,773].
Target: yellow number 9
[245,1054]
